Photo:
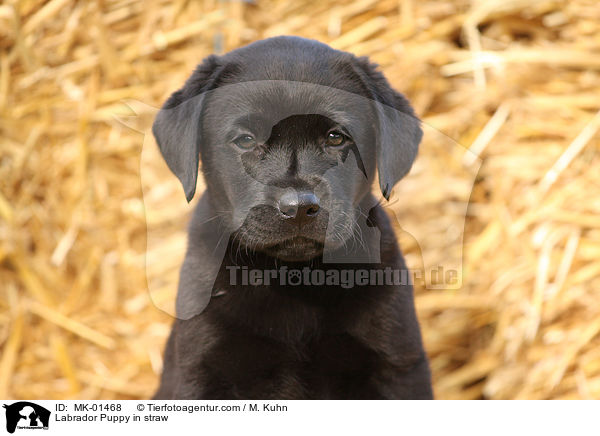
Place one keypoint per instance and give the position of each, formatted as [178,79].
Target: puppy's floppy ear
[399,130]
[178,128]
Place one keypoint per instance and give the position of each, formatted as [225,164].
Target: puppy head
[290,132]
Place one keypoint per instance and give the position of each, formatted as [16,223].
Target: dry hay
[516,81]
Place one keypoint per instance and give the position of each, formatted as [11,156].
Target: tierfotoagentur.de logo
[346,278]
[25,415]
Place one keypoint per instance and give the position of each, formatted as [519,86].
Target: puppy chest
[328,367]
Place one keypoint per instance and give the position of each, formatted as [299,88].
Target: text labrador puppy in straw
[293,285]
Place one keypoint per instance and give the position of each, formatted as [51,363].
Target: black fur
[281,341]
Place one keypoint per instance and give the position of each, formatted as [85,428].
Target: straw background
[517,82]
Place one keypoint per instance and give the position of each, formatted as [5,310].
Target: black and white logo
[26,415]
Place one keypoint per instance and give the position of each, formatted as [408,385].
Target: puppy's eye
[335,139]
[245,141]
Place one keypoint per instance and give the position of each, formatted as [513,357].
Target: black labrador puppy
[293,286]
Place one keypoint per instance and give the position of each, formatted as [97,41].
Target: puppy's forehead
[274,100]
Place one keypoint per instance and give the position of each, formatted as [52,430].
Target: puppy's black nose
[300,207]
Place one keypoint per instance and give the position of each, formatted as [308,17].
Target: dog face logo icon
[26,415]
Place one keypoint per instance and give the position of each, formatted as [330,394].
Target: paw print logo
[294,277]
